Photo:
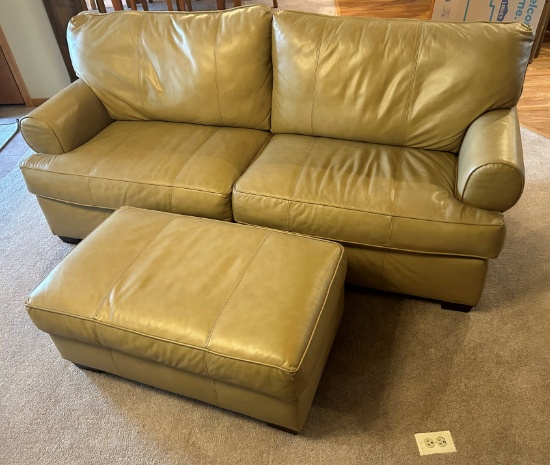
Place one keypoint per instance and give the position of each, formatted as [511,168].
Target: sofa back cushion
[210,68]
[392,81]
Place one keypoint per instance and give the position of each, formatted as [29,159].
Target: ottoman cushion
[246,306]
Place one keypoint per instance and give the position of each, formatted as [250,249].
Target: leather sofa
[397,138]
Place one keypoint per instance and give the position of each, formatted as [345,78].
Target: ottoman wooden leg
[456,307]
[69,240]
[282,428]
[83,367]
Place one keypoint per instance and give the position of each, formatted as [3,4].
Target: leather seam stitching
[226,382]
[214,50]
[315,76]
[94,317]
[215,392]
[320,313]
[479,167]
[237,192]
[97,162]
[223,194]
[413,82]
[47,126]
[172,187]
[396,180]
[295,184]
[156,338]
[382,248]
[114,363]
[140,62]
[205,349]
[88,182]
[232,292]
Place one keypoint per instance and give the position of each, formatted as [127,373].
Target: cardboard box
[523,11]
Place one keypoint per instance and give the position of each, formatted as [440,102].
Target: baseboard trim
[36,102]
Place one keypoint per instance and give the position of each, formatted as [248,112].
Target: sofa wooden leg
[84,367]
[456,307]
[282,428]
[69,240]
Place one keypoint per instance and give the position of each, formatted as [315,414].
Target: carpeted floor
[7,131]
[398,366]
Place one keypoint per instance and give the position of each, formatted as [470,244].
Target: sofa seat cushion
[175,167]
[365,194]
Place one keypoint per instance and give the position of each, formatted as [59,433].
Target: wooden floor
[416,9]
[534,105]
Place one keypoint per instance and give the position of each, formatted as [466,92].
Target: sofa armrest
[66,121]
[491,174]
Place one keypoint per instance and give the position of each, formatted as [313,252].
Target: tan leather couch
[397,138]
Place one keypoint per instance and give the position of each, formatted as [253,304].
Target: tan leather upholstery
[446,278]
[71,220]
[392,81]
[191,294]
[66,121]
[490,165]
[393,207]
[365,194]
[175,167]
[398,138]
[207,68]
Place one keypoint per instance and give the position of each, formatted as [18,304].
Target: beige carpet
[7,131]
[399,366]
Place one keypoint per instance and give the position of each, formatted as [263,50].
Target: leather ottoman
[238,316]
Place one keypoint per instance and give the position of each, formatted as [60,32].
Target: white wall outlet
[439,442]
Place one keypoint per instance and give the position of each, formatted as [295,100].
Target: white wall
[32,42]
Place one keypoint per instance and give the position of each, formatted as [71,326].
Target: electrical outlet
[439,442]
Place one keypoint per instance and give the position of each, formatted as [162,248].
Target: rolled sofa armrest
[66,121]
[491,174]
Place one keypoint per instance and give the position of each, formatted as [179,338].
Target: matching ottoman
[238,316]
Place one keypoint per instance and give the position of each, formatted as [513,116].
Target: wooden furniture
[220,4]
[238,3]
[542,31]
[59,13]
[101,6]
[133,5]
[181,5]
[118,6]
